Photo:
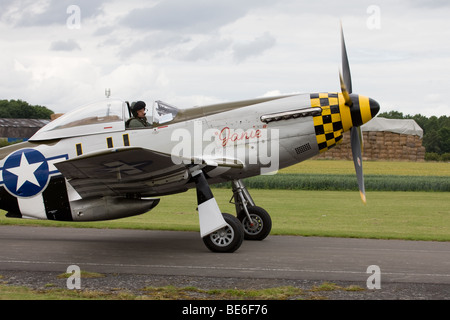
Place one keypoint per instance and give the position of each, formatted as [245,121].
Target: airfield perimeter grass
[387,215]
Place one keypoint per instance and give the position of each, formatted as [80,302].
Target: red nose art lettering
[227,135]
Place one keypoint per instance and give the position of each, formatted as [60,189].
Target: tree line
[19,109]
[436,133]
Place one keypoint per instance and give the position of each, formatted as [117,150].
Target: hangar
[20,129]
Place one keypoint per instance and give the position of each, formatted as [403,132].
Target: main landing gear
[222,232]
[255,220]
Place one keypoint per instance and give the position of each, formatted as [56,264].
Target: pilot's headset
[135,106]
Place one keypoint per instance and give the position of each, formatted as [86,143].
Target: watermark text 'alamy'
[253,146]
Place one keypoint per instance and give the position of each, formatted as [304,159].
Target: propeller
[355,132]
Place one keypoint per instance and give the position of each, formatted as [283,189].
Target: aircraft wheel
[227,239]
[260,226]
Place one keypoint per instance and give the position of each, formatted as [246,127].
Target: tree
[444,136]
[392,115]
[431,141]
[23,110]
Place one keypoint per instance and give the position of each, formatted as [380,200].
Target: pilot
[139,120]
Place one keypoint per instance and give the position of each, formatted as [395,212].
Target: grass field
[371,168]
[340,176]
[387,215]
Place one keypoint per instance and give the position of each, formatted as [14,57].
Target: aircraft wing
[123,170]
[132,170]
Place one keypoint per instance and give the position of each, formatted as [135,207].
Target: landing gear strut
[221,232]
[255,220]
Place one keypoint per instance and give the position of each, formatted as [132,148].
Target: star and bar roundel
[26,172]
[328,125]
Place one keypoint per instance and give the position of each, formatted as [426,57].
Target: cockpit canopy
[163,112]
[104,116]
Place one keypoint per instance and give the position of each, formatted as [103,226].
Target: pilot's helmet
[137,106]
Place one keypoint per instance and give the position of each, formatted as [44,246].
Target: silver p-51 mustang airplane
[88,165]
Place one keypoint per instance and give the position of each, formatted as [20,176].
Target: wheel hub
[254,226]
[222,237]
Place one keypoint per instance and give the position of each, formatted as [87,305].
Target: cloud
[430,3]
[243,51]
[207,50]
[31,13]
[155,44]
[184,16]
[69,45]
[181,30]
[184,48]
[194,16]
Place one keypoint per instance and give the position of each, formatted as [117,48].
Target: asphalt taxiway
[183,254]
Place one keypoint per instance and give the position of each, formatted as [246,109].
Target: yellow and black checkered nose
[337,117]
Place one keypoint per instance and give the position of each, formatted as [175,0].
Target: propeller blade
[355,132]
[357,160]
[345,64]
[348,101]
[361,139]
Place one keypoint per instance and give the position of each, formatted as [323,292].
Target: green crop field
[414,215]
[334,175]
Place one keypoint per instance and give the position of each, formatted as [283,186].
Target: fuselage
[254,137]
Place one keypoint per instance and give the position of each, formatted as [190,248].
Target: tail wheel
[227,239]
[260,225]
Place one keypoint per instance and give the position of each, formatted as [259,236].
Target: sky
[64,53]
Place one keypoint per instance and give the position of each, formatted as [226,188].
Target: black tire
[262,223]
[227,239]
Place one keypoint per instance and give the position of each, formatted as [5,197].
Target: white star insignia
[25,172]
